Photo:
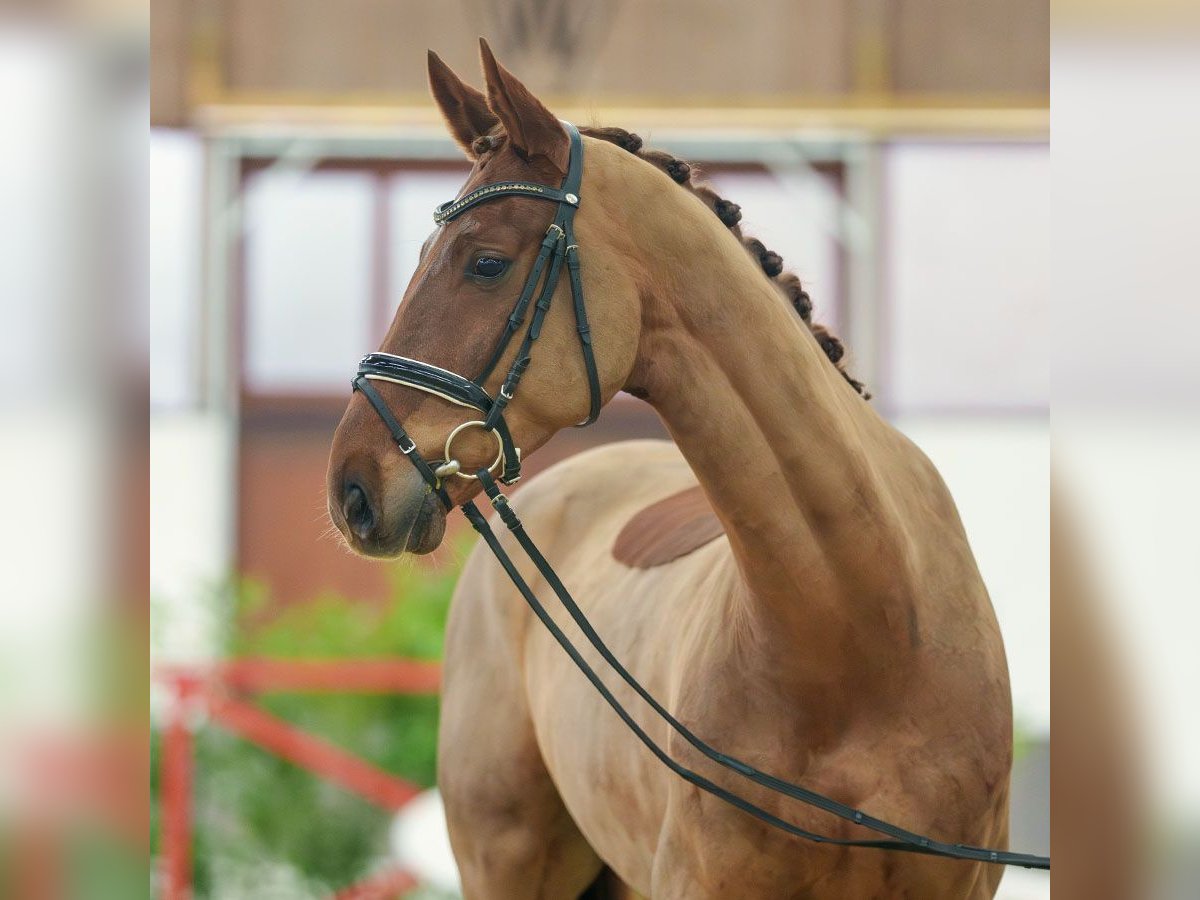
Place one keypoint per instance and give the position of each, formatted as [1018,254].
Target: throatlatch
[557,247]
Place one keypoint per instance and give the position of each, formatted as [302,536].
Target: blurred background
[894,152]
[179,316]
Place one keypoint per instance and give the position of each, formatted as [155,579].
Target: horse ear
[465,109]
[532,129]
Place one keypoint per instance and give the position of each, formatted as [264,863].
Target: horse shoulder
[585,497]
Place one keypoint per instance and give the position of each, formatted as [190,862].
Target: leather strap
[902,840]
[454,208]
[558,246]
[448,385]
[585,333]
[522,359]
[402,370]
[567,194]
[517,317]
[406,444]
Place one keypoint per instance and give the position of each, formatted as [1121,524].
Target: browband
[452,208]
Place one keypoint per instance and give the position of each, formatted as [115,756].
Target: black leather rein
[559,247]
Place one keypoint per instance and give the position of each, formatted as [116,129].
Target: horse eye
[489,267]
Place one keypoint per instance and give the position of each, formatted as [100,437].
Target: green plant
[264,827]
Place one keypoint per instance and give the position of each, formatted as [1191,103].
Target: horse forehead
[506,223]
[503,164]
[495,221]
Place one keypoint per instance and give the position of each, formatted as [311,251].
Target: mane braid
[730,214]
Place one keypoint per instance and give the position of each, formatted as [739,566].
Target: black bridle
[558,247]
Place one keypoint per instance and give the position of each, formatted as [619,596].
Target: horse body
[584,782]
[838,635]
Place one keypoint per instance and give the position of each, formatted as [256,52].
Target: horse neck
[792,459]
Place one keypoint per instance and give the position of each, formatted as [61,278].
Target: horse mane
[730,214]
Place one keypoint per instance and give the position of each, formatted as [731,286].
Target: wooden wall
[170,57]
[649,52]
[971,46]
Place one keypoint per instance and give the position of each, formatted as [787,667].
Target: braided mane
[730,215]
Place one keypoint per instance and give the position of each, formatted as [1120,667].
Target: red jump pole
[256,675]
[385,886]
[177,799]
[312,753]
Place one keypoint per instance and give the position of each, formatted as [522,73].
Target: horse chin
[428,529]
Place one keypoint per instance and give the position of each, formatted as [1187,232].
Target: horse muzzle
[385,520]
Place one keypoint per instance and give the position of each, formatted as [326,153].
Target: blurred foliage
[265,828]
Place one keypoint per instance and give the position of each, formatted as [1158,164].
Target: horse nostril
[357,510]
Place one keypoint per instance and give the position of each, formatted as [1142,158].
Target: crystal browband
[448,211]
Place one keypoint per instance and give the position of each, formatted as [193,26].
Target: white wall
[998,471]
[191,532]
[1133,485]
[967,276]
[175,241]
[56,540]
[309,279]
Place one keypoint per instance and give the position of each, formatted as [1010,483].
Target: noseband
[558,247]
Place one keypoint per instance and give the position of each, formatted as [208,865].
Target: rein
[558,247]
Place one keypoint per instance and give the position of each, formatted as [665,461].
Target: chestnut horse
[832,629]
